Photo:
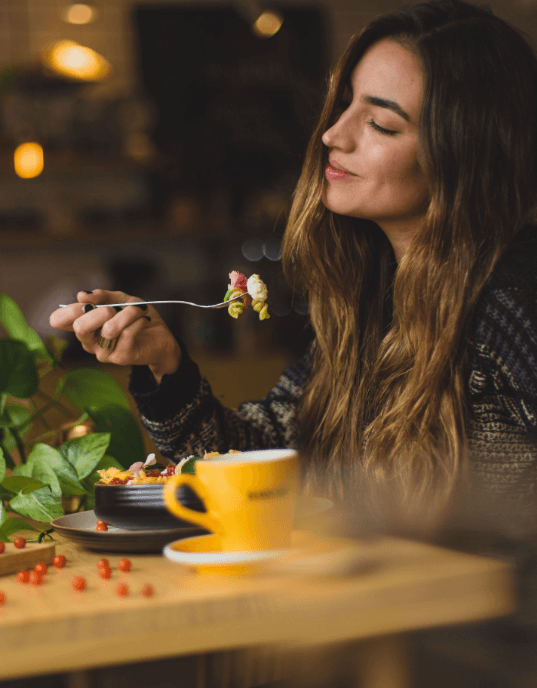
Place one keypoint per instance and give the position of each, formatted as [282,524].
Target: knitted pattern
[183,417]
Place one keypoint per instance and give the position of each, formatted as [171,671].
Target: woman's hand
[142,336]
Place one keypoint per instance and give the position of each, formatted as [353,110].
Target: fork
[223,304]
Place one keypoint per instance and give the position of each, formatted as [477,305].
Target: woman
[411,233]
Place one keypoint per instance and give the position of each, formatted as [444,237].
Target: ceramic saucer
[80,528]
[204,553]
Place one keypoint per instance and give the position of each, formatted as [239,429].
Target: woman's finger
[122,318]
[125,350]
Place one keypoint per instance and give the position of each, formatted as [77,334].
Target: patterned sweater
[183,417]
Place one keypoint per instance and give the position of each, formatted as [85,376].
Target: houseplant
[37,474]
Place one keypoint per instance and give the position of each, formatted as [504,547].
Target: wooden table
[409,586]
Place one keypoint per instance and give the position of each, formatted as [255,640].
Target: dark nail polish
[118,309]
[143,306]
[87,292]
[88,307]
[147,317]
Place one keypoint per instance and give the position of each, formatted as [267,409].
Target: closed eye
[381,130]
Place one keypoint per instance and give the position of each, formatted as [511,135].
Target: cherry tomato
[104,572]
[103,562]
[79,583]
[122,590]
[35,577]
[101,526]
[2,599]
[59,561]
[20,542]
[23,576]
[124,565]
[2,548]
[41,568]
[147,590]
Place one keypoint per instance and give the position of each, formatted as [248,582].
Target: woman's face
[373,171]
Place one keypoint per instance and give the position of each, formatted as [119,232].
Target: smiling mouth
[338,168]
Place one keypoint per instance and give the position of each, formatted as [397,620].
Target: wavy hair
[385,404]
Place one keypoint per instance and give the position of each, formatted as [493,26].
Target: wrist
[168,365]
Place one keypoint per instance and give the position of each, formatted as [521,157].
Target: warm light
[75,61]
[79,14]
[28,160]
[267,24]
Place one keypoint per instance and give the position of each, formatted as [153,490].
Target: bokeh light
[252,250]
[267,24]
[28,160]
[79,13]
[272,249]
[76,61]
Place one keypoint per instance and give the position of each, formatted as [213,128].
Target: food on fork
[254,293]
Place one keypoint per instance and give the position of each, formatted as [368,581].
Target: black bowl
[141,507]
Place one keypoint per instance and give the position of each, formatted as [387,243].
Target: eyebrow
[388,104]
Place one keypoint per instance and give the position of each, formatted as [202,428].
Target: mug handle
[169,494]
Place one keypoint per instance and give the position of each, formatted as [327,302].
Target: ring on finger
[107,344]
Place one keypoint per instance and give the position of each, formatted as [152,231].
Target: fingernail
[143,306]
[118,309]
[87,292]
[147,317]
[88,307]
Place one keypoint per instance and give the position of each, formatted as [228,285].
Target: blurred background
[152,147]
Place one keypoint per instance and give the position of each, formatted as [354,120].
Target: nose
[338,136]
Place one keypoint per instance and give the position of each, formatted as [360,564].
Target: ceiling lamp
[75,61]
[267,24]
[80,13]
[28,160]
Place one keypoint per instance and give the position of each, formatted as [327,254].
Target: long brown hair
[385,403]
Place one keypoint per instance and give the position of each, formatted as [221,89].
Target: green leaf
[89,389]
[15,325]
[84,453]
[57,347]
[16,415]
[2,466]
[18,373]
[66,474]
[127,442]
[190,466]
[3,513]
[41,505]
[21,483]
[39,469]
[13,525]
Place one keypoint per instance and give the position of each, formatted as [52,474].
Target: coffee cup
[250,497]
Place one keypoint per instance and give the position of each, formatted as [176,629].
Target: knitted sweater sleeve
[183,417]
[502,427]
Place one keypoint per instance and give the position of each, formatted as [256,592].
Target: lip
[335,172]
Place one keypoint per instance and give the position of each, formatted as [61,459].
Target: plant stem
[7,456]
[19,443]
[36,410]
[16,436]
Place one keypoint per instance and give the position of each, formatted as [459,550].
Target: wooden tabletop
[406,586]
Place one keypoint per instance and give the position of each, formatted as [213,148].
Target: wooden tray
[14,559]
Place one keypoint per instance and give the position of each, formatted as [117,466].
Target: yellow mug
[250,497]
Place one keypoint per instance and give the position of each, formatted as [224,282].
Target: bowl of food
[132,498]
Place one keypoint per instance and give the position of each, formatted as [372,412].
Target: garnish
[59,561]
[122,590]
[79,583]
[124,565]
